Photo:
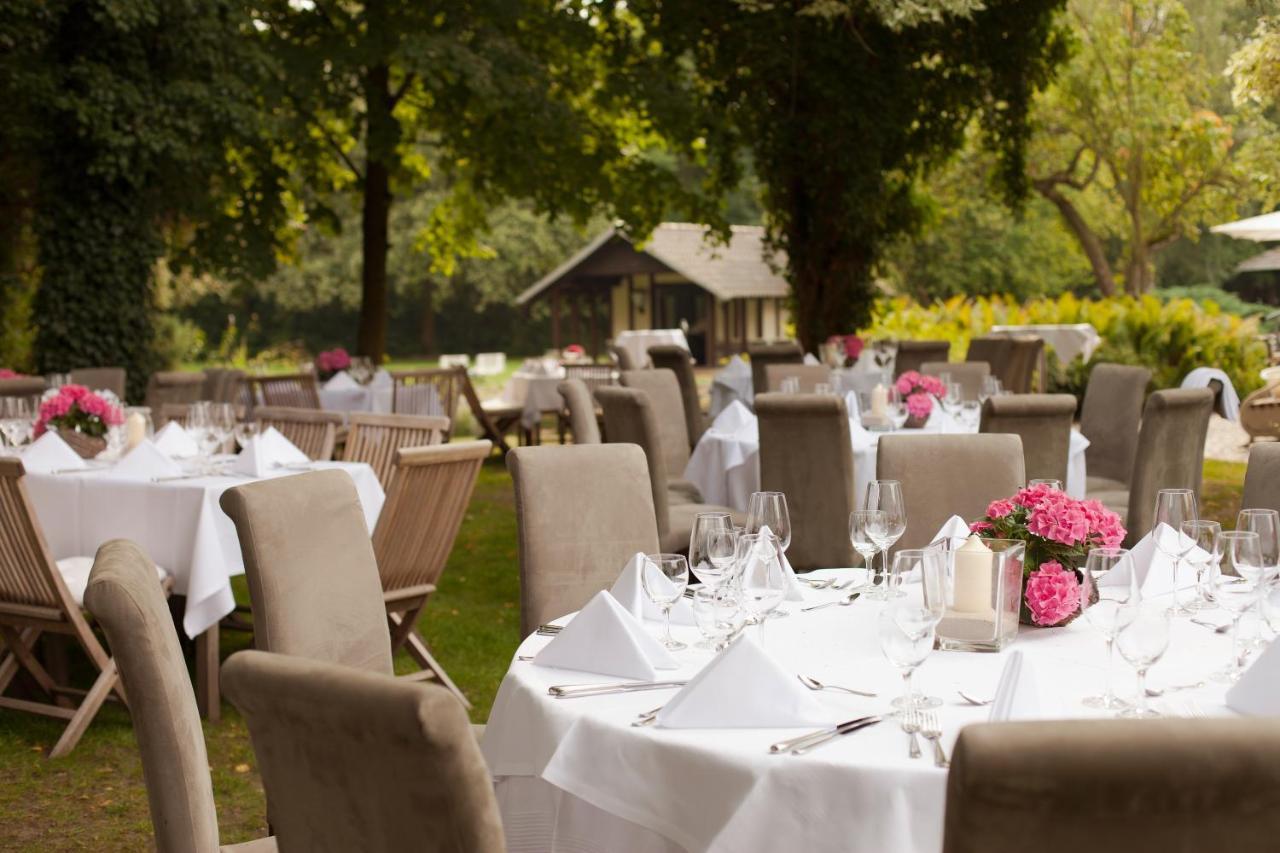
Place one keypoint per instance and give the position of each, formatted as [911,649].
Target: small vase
[1024,612]
[87,446]
[916,423]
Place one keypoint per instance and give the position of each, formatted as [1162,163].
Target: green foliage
[1224,299]
[1255,67]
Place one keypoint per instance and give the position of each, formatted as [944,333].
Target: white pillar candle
[879,402]
[135,430]
[972,577]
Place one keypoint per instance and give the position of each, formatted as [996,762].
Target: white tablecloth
[1069,340]
[374,397]
[178,523]
[574,775]
[535,392]
[637,343]
[726,466]
[733,382]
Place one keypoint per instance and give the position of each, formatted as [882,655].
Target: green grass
[94,798]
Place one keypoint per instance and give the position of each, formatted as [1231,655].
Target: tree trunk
[428,328]
[1088,241]
[376,213]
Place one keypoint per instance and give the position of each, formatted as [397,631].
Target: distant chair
[581,407]
[912,355]
[490,363]
[806,453]
[810,376]
[997,352]
[426,392]
[171,412]
[1025,357]
[1262,478]
[663,391]
[1109,418]
[101,379]
[374,439]
[945,475]
[1043,421]
[970,374]
[22,386]
[456,360]
[783,352]
[225,385]
[293,390]
[173,386]
[1260,412]
[622,358]
[678,360]
[312,431]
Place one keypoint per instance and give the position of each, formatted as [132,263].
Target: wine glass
[730,613]
[1239,591]
[906,634]
[222,419]
[1266,523]
[769,509]
[245,431]
[861,521]
[1108,585]
[930,564]
[721,545]
[1056,485]
[664,578]
[762,582]
[1142,641]
[886,496]
[790,385]
[897,407]
[1174,507]
[704,523]
[1208,538]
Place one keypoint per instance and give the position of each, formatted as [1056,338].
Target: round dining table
[574,774]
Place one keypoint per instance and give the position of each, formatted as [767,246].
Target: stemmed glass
[1142,641]
[721,545]
[1105,606]
[1174,507]
[931,564]
[906,637]
[15,414]
[1265,523]
[886,496]
[897,407]
[200,428]
[1208,538]
[769,509]
[245,431]
[989,388]
[664,578]
[704,524]
[762,582]
[1056,485]
[1238,592]
[861,522]
[222,422]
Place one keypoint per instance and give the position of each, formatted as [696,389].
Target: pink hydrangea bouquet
[74,408]
[1059,531]
[919,392]
[847,348]
[6,373]
[331,361]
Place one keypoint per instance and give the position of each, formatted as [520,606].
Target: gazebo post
[575,317]
[592,299]
[711,354]
[555,318]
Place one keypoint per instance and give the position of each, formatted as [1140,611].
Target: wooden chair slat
[313,431]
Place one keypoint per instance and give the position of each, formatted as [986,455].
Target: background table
[1069,340]
[637,343]
[374,397]
[573,774]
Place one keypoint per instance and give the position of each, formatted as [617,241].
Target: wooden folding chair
[374,439]
[424,510]
[173,386]
[427,392]
[313,432]
[294,390]
[494,421]
[34,600]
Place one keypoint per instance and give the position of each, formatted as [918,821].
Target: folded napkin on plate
[267,452]
[341,381]
[628,589]
[1257,693]
[50,453]
[955,529]
[743,688]
[381,379]
[145,462]
[605,638]
[795,591]
[733,419]
[175,442]
[1154,568]
[1021,695]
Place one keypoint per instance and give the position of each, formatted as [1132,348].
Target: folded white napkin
[743,688]
[811,359]
[736,368]
[955,529]
[795,591]
[852,407]
[341,381]
[175,442]
[628,589]
[733,419]
[1021,695]
[605,638]
[145,462]
[1257,693]
[267,452]
[1154,568]
[381,379]
[50,453]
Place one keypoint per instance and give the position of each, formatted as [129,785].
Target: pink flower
[907,382]
[933,385]
[852,346]
[999,509]
[1052,594]
[981,527]
[73,392]
[331,361]
[1104,524]
[1031,497]
[6,373]
[1060,519]
[919,405]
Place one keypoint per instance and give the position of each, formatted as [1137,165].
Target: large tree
[844,107]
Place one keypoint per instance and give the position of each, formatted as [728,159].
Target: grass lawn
[94,799]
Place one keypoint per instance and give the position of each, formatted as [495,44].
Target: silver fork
[911,725]
[932,732]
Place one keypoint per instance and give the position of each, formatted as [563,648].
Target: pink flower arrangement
[6,373]
[331,361]
[75,407]
[848,346]
[574,351]
[1059,531]
[919,391]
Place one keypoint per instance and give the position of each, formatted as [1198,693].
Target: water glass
[824,388]
[704,524]
[1174,507]
[664,578]
[886,496]
[1239,591]
[861,523]
[1204,557]
[1143,641]
[704,616]
[730,612]
[790,385]
[1108,586]
[1266,523]
[906,634]
[761,580]
[1056,485]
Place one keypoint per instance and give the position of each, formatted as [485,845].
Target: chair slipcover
[582,411]
[101,379]
[912,355]
[1109,418]
[783,352]
[1262,479]
[678,361]
[810,376]
[1024,359]
[1044,423]
[996,351]
[969,374]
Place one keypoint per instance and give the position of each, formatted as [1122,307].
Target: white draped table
[637,342]
[1069,340]
[350,396]
[574,775]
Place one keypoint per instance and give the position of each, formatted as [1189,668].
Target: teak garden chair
[374,439]
[311,430]
[297,390]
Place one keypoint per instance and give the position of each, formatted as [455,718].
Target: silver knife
[791,743]
[571,691]
[843,730]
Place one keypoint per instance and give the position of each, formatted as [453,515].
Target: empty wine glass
[861,522]
[704,524]
[1265,523]
[1056,485]
[664,578]
[1108,585]
[1142,641]
[721,545]
[929,564]
[1174,507]
[790,385]
[731,615]
[222,422]
[1204,557]
[823,388]
[245,431]
[897,407]
[769,509]
[1238,591]
[906,633]
[761,579]
[886,496]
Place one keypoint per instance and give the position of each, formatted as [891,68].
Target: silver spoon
[1156,692]
[815,684]
[1217,629]
[979,702]
[818,583]
[843,602]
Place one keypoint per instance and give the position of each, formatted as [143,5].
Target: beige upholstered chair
[1109,418]
[125,599]
[912,355]
[678,361]
[581,512]
[629,419]
[592,376]
[945,475]
[969,374]
[225,385]
[622,357]
[313,578]
[1044,423]
[1025,358]
[582,411]
[806,453]
[426,502]
[1170,456]
[292,390]
[22,386]
[1262,479]
[810,376]
[374,439]
[663,390]
[313,431]
[173,386]
[1115,786]
[171,412]
[996,351]
[783,352]
[357,761]
[101,379]
[427,392]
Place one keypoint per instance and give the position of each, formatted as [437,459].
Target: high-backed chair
[172,412]
[313,431]
[292,390]
[313,577]
[427,392]
[945,475]
[353,760]
[678,361]
[1127,785]
[374,439]
[1262,478]
[1109,418]
[809,375]
[1044,423]
[22,386]
[629,419]
[969,374]
[582,411]
[996,351]
[225,385]
[1025,357]
[912,355]
[581,512]
[101,379]
[622,357]
[663,390]
[173,386]
[1170,455]
[783,352]
[806,453]
[129,604]
[592,376]
[426,502]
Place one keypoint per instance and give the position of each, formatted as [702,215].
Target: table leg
[208,697]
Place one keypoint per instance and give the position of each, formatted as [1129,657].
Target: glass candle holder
[982,586]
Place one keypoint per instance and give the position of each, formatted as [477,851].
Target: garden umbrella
[1262,228]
